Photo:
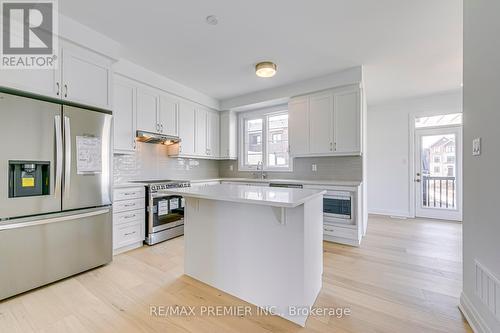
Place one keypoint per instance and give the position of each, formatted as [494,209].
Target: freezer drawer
[35,252]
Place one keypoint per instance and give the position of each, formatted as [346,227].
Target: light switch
[314,167]
[476,147]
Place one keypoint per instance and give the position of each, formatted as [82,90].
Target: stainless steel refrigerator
[55,200]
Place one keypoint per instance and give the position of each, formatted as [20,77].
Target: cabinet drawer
[128,193]
[126,205]
[129,216]
[335,231]
[126,234]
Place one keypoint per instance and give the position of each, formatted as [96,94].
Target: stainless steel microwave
[338,207]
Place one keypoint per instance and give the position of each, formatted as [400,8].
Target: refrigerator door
[87,158]
[42,249]
[31,131]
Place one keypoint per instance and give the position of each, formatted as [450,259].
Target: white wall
[389,149]
[481,230]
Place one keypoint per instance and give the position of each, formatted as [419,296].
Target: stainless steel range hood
[158,138]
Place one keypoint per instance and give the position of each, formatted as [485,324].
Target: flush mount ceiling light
[212,19]
[265,69]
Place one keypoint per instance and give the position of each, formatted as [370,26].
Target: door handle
[66,89]
[57,85]
[7,225]
[417,180]
[59,154]
[67,151]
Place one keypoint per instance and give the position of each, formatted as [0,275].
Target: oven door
[338,207]
[167,212]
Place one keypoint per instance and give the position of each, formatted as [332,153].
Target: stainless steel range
[164,212]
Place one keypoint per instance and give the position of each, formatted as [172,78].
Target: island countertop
[269,196]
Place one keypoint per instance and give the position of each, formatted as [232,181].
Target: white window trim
[257,114]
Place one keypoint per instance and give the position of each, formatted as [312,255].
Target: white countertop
[281,181]
[270,196]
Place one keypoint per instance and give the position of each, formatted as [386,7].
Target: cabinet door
[213,133]
[124,113]
[347,122]
[86,77]
[298,124]
[168,117]
[46,82]
[201,132]
[321,123]
[186,128]
[227,138]
[147,103]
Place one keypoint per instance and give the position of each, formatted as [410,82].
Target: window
[450,159]
[441,120]
[264,140]
[437,159]
[451,172]
[437,169]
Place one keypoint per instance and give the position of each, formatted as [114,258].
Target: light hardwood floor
[405,277]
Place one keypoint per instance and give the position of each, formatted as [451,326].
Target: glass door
[438,173]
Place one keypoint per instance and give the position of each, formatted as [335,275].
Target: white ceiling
[408,47]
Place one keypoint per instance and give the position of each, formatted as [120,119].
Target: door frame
[411,157]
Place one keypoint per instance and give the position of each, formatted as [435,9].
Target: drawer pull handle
[129,205]
[129,216]
[129,193]
[129,233]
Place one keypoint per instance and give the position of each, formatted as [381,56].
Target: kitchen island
[260,244]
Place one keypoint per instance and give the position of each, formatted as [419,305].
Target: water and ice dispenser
[29,178]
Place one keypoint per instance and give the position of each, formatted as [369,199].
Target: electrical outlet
[476,147]
[231,167]
[314,167]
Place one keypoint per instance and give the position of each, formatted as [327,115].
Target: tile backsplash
[328,168]
[150,161]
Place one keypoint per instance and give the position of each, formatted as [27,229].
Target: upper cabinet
[213,134]
[168,115]
[147,109]
[83,77]
[186,130]
[298,125]
[124,115]
[327,123]
[86,77]
[228,140]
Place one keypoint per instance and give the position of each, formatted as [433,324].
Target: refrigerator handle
[67,156]
[59,154]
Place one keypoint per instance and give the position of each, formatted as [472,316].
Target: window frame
[263,114]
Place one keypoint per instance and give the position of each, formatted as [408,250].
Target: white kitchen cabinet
[326,124]
[228,136]
[186,129]
[213,134]
[347,122]
[147,110]
[44,82]
[320,123]
[168,115]
[86,77]
[124,115]
[298,125]
[82,77]
[201,131]
[128,218]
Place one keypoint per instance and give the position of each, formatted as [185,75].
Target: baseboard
[391,213]
[128,248]
[476,322]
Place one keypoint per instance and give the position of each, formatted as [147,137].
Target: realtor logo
[29,36]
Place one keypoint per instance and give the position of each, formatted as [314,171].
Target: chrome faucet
[260,167]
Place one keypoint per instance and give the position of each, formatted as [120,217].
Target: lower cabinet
[128,218]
